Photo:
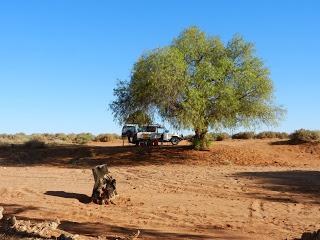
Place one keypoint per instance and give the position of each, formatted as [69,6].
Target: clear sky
[60,59]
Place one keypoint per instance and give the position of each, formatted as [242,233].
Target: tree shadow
[292,142]
[15,209]
[282,142]
[112,232]
[286,186]
[83,156]
[83,198]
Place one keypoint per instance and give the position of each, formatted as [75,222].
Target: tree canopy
[139,117]
[198,82]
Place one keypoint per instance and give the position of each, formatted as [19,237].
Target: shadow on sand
[286,186]
[113,232]
[83,156]
[79,196]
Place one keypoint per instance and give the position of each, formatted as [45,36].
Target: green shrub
[270,134]
[243,135]
[83,138]
[303,135]
[106,137]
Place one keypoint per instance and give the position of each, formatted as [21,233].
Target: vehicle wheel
[174,140]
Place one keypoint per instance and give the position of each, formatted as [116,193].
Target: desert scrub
[270,134]
[243,135]
[83,138]
[220,136]
[106,137]
[34,143]
[303,136]
[17,138]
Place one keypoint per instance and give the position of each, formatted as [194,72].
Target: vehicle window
[151,129]
[142,129]
[128,128]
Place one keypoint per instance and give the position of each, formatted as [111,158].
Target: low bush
[17,138]
[303,135]
[83,138]
[106,137]
[243,135]
[220,136]
[270,134]
[34,143]
[55,138]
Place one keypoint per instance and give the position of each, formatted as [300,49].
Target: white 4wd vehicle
[150,134]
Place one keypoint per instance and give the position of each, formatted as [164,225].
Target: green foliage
[106,137]
[139,117]
[243,135]
[303,135]
[270,134]
[201,143]
[198,82]
[83,138]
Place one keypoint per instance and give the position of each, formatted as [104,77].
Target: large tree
[139,117]
[198,83]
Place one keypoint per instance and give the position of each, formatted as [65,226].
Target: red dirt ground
[239,189]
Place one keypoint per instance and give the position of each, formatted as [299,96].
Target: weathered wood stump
[104,189]
[311,235]
[1,212]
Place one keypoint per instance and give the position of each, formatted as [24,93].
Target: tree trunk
[104,189]
[201,142]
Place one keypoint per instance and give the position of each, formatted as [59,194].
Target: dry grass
[304,136]
[56,139]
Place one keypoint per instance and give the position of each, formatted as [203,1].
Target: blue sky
[60,60]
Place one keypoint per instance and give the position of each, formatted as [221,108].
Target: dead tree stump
[104,189]
[1,212]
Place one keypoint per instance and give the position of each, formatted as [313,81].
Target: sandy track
[174,201]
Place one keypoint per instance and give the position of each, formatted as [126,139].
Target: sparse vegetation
[220,136]
[243,135]
[107,137]
[83,138]
[34,143]
[303,135]
[40,140]
[270,134]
